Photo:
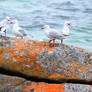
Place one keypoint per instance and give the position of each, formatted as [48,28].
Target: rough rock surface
[12,83]
[38,59]
[17,84]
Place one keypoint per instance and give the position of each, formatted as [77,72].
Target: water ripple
[33,14]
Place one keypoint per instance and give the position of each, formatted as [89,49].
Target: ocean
[33,14]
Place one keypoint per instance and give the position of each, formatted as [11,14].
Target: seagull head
[7,18]
[46,27]
[14,22]
[67,23]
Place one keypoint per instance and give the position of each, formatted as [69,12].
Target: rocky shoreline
[65,65]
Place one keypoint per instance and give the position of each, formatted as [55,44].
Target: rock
[37,59]
[11,83]
[18,84]
[66,87]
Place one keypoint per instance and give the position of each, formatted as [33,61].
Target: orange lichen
[42,87]
[56,76]
[83,68]
[2,52]
[0,59]
[90,85]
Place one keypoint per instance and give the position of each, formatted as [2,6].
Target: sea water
[33,14]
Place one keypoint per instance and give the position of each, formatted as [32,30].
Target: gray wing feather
[55,35]
[2,29]
[22,32]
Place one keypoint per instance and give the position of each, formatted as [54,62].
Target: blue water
[33,14]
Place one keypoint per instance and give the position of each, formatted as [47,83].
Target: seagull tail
[31,35]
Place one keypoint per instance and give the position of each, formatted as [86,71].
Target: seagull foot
[49,41]
[52,45]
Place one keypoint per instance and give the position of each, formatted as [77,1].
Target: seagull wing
[55,34]
[3,29]
[2,23]
[21,30]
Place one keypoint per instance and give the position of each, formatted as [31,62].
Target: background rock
[61,63]
[18,84]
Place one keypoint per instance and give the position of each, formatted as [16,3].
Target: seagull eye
[68,24]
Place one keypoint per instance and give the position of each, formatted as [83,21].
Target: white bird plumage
[18,31]
[54,34]
[4,25]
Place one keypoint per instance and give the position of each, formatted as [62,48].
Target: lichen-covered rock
[12,83]
[18,84]
[38,59]
[66,87]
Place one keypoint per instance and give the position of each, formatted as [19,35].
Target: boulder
[12,83]
[38,59]
[17,84]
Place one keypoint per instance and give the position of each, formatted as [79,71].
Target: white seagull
[56,34]
[4,25]
[18,31]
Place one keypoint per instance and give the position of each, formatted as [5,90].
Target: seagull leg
[61,41]
[22,37]
[50,41]
[53,42]
[5,33]
[0,36]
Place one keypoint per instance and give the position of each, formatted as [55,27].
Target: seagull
[4,25]
[54,34]
[18,31]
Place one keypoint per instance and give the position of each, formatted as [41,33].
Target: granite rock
[17,84]
[38,59]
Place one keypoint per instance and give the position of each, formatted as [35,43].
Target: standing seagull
[4,25]
[55,34]
[18,31]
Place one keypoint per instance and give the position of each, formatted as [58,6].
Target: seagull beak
[42,28]
[11,22]
[69,24]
